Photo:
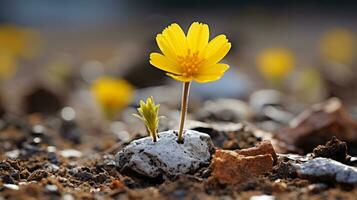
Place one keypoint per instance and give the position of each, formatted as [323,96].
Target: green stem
[153,135]
[184,102]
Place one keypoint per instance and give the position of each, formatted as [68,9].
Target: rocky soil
[312,157]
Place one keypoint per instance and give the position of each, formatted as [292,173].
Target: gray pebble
[322,168]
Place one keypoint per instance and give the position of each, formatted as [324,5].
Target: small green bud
[149,114]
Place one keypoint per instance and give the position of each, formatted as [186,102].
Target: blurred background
[90,59]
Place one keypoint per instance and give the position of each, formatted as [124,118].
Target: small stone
[295,157]
[353,161]
[279,186]
[24,174]
[51,149]
[318,125]
[84,176]
[326,169]
[116,184]
[67,197]
[51,167]
[107,164]
[334,149]
[74,170]
[262,148]
[37,175]
[30,150]
[230,167]
[37,140]
[13,154]
[7,179]
[5,166]
[40,135]
[71,153]
[52,157]
[284,170]
[23,183]
[12,186]
[101,178]
[166,158]
[51,188]
[316,188]
[15,175]
[262,197]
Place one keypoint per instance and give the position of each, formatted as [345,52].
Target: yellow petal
[213,69]
[176,38]
[207,78]
[212,73]
[180,78]
[165,46]
[217,49]
[164,63]
[197,37]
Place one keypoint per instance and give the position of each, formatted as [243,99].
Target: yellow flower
[192,57]
[276,63]
[338,45]
[21,42]
[112,94]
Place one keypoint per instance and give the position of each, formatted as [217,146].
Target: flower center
[190,63]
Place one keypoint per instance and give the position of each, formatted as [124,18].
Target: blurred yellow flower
[19,41]
[8,65]
[112,94]
[192,57]
[275,63]
[338,45]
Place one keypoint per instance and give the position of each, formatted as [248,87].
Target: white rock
[296,157]
[51,149]
[262,197]
[67,197]
[166,158]
[51,167]
[71,153]
[12,186]
[51,188]
[326,168]
[13,154]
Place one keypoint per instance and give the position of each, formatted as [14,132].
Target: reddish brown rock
[317,125]
[230,167]
[262,148]
[117,185]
